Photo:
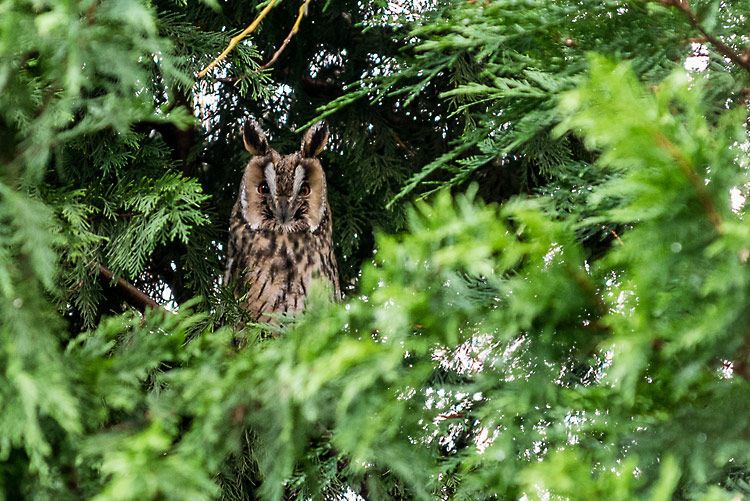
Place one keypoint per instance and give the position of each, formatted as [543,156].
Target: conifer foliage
[539,214]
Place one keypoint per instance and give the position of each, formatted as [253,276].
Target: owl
[280,232]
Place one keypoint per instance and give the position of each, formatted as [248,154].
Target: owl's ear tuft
[314,140]
[254,138]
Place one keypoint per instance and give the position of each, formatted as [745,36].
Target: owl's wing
[230,275]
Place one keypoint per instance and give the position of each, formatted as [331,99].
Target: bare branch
[294,30]
[237,39]
[741,60]
[131,294]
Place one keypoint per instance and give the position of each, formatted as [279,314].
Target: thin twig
[132,295]
[294,30]
[237,39]
[695,180]
[740,59]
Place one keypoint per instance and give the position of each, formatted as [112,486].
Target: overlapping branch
[695,181]
[295,28]
[237,39]
[131,294]
[251,27]
[742,60]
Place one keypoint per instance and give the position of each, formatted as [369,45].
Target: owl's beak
[282,209]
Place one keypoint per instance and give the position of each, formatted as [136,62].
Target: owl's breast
[277,269]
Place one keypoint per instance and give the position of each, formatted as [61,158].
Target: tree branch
[695,180]
[132,295]
[317,87]
[294,30]
[742,60]
[237,39]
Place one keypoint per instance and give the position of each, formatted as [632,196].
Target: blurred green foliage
[539,215]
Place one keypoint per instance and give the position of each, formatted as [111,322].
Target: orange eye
[263,188]
[304,189]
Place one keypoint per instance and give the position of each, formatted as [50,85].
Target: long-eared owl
[280,234]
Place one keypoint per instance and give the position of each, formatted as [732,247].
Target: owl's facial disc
[284,197]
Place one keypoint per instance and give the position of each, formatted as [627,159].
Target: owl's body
[280,231]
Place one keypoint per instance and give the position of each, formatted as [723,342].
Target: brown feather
[280,239]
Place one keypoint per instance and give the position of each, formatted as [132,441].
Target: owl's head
[284,193]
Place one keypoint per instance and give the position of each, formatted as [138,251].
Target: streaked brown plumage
[280,233]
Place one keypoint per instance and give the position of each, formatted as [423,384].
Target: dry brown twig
[295,28]
[237,39]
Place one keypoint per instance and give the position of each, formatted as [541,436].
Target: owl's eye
[263,188]
[304,190]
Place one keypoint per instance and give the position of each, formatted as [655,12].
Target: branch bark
[742,60]
[131,294]
[292,32]
[237,39]
[695,180]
